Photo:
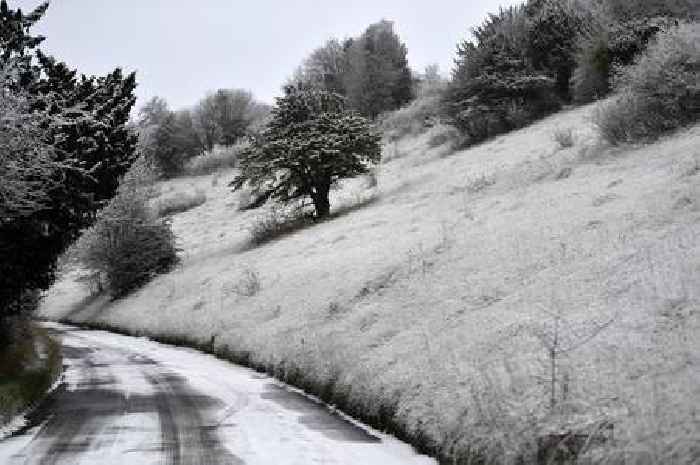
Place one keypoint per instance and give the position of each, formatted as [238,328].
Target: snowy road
[130,401]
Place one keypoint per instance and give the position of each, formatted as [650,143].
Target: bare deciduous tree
[324,68]
[223,117]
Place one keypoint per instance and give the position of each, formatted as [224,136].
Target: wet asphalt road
[131,401]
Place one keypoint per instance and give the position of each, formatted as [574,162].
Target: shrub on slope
[516,70]
[128,244]
[421,114]
[659,93]
[218,159]
[606,47]
[179,203]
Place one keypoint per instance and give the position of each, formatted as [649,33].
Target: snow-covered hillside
[452,298]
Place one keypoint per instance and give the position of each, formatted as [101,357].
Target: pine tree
[310,143]
[83,120]
[87,125]
[28,175]
[16,43]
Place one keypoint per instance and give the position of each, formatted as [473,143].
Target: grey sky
[181,49]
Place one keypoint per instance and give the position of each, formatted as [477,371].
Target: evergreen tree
[14,33]
[618,33]
[310,143]
[87,125]
[16,43]
[377,77]
[84,122]
[555,27]
[629,10]
[495,86]
[158,143]
[371,70]
[29,175]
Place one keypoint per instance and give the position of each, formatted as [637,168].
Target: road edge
[22,420]
[385,421]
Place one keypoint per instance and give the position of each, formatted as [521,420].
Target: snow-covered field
[445,299]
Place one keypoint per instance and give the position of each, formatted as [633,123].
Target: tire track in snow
[188,438]
[83,418]
[131,401]
[73,416]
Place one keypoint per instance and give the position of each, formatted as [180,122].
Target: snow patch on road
[256,419]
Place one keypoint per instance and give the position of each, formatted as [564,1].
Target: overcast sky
[182,49]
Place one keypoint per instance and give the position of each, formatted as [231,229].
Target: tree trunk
[321,202]
[563,79]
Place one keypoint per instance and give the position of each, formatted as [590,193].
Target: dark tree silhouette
[82,123]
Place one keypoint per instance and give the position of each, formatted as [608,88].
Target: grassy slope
[28,369]
[439,299]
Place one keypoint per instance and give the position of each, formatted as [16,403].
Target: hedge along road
[133,401]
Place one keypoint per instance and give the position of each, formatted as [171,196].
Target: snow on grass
[441,299]
[16,424]
[22,392]
[19,421]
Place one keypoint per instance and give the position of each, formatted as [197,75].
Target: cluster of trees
[169,138]
[658,93]
[495,84]
[64,144]
[293,153]
[625,10]
[522,63]
[526,61]
[371,71]
[66,140]
[619,32]
[320,130]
